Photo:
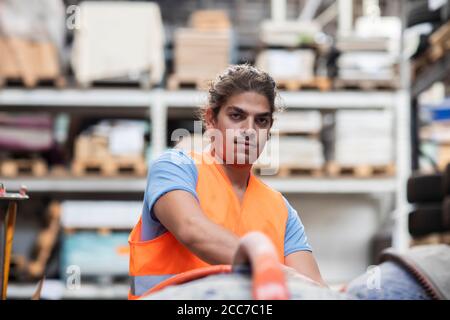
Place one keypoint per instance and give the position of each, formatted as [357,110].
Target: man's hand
[292,273]
[303,262]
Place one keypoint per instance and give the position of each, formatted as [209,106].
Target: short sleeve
[173,170]
[295,238]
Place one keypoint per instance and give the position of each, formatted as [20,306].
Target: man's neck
[238,175]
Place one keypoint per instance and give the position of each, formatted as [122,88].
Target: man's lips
[245,143]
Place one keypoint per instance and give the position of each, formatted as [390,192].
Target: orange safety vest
[262,209]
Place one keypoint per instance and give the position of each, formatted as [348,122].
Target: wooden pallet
[366,85]
[210,20]
[319,83]
[15,167]
[360,171]
[109,166]
[176,82]
[439,45]
[439,42]
[285,171]
[59,170]
[434,238]
[143,81]
[29,63]
[431,55]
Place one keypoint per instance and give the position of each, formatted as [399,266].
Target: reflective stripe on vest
[141,284]
[262,209]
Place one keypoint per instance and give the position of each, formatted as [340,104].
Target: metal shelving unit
[156,104]
[158,101]
[85,291]
[87,98]
[137,185]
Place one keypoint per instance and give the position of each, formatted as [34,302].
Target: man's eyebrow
[264,114]
[237,109]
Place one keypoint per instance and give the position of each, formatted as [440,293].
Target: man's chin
[244,159]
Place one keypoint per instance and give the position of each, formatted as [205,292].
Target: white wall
[340,229]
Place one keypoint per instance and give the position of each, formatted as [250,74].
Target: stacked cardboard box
[363,137]
[369,56]
[203,50]
[295,145]
[285,65]
[119,39]
[292,68]
[31,41]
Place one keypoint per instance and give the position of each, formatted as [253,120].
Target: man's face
[241,128]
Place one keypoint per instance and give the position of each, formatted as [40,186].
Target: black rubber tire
[446,180]
[425,188]
[419,13]
[425,219]
[446,213]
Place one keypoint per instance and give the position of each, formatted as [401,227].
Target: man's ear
[210,120]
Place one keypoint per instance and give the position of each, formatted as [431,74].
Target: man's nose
[249,134]
[249,125]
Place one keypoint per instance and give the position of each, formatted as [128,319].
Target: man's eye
[235,116]
[262,121]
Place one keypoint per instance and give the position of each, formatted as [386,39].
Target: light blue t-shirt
[175,170]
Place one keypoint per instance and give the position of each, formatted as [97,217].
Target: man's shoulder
[176,156]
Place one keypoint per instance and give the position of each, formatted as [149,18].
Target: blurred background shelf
[57,291]
[136,185]
[329,63]
[132,98]
[74,97]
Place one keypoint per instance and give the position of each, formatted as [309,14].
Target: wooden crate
[317,83]
[366,85]
[29,62]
